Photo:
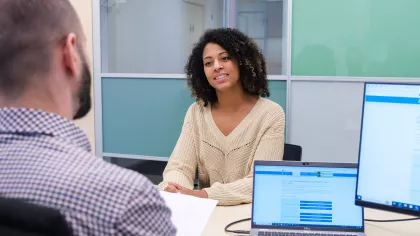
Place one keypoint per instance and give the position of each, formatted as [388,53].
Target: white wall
[325,120]
[152,36]
[84,10]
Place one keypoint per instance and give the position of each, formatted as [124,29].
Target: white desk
[225,215]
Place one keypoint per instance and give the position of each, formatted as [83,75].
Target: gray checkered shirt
[46,160]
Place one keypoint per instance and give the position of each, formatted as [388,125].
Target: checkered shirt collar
[31,121]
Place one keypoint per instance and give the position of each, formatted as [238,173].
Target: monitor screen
[299,196]
[389,151]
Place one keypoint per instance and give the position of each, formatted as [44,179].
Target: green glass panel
[375,38]
[145,116]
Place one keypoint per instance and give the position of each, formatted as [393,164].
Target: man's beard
[84,97]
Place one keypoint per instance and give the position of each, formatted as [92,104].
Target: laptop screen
[305,196]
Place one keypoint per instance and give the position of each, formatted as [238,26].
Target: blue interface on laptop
[306,196]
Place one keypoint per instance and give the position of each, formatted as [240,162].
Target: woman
[230,125]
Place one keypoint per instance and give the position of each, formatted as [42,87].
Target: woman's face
[221,69]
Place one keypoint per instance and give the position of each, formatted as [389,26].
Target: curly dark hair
[251,63]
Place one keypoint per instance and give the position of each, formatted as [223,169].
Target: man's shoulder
[81,166]
[111,175]
[133,200]
[80,169]
[116,187]
[80,163]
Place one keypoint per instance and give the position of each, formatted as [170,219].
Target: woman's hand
[176,188]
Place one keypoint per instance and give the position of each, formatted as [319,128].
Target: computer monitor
[389,150]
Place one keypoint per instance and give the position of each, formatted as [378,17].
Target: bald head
[29,31]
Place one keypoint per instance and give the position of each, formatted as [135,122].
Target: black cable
[237,231]
[247,231]
[395,220]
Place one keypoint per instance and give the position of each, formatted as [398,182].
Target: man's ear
[71,58]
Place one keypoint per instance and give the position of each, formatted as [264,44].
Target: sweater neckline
[239,127]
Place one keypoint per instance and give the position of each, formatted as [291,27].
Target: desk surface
[225,215]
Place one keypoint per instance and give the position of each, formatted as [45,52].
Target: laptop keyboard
[300,234]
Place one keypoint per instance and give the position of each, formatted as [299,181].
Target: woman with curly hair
[230,125]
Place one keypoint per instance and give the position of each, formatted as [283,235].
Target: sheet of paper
[189,214]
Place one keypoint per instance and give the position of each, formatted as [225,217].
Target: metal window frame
[229,20]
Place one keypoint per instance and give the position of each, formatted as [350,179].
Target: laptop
[305,198]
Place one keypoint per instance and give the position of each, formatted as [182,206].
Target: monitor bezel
[369,204]
[309,227]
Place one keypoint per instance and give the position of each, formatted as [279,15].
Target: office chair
[24,219]
[292,152]
[151,169]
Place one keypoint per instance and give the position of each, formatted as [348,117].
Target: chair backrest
[24,219]
[292,152]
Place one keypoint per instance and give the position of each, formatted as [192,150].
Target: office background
[319,54]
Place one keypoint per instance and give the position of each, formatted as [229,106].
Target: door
[195,25]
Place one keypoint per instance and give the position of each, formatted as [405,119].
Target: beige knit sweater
[225,163]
